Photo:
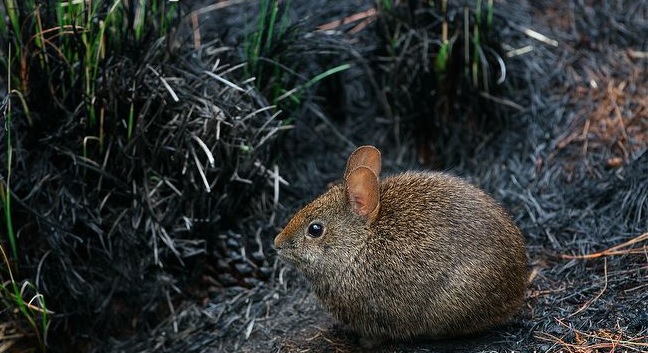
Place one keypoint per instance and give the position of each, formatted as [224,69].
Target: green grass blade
[6,195]
[12,11]
[489,15]
[441,61]
[326,73]
[475,59]
[274,9]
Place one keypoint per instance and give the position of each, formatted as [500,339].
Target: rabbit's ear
[363,192]
[364,156]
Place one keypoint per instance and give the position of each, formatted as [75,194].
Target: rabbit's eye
[315,230]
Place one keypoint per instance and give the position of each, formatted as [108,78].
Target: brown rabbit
[415,255]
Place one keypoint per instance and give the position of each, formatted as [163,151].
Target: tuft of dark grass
[443,73]
[287,58]
[23,311]
[27,318]
[60,46]
[126,163]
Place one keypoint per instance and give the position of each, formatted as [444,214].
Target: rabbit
[418,254]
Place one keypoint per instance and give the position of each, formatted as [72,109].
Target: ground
[571,167]
[145,227]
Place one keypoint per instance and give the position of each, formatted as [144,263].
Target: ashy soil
[570,165]
[567,157]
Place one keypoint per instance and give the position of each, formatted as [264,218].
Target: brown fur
[437,257]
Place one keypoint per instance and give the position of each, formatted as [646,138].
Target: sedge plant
[264,48]
[446,50]
[58,49]
[32,313]
[68,42]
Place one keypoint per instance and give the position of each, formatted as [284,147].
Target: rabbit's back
[443,209]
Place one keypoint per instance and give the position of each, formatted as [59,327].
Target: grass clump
[440,66]
[54,54]
[124,161]
[275,49]
[58,49]
[26,327]
[27,319]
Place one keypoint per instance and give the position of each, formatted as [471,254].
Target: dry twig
[621,249]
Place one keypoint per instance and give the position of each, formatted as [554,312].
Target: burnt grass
[562,143]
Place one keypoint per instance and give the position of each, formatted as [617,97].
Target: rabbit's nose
[278,241]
